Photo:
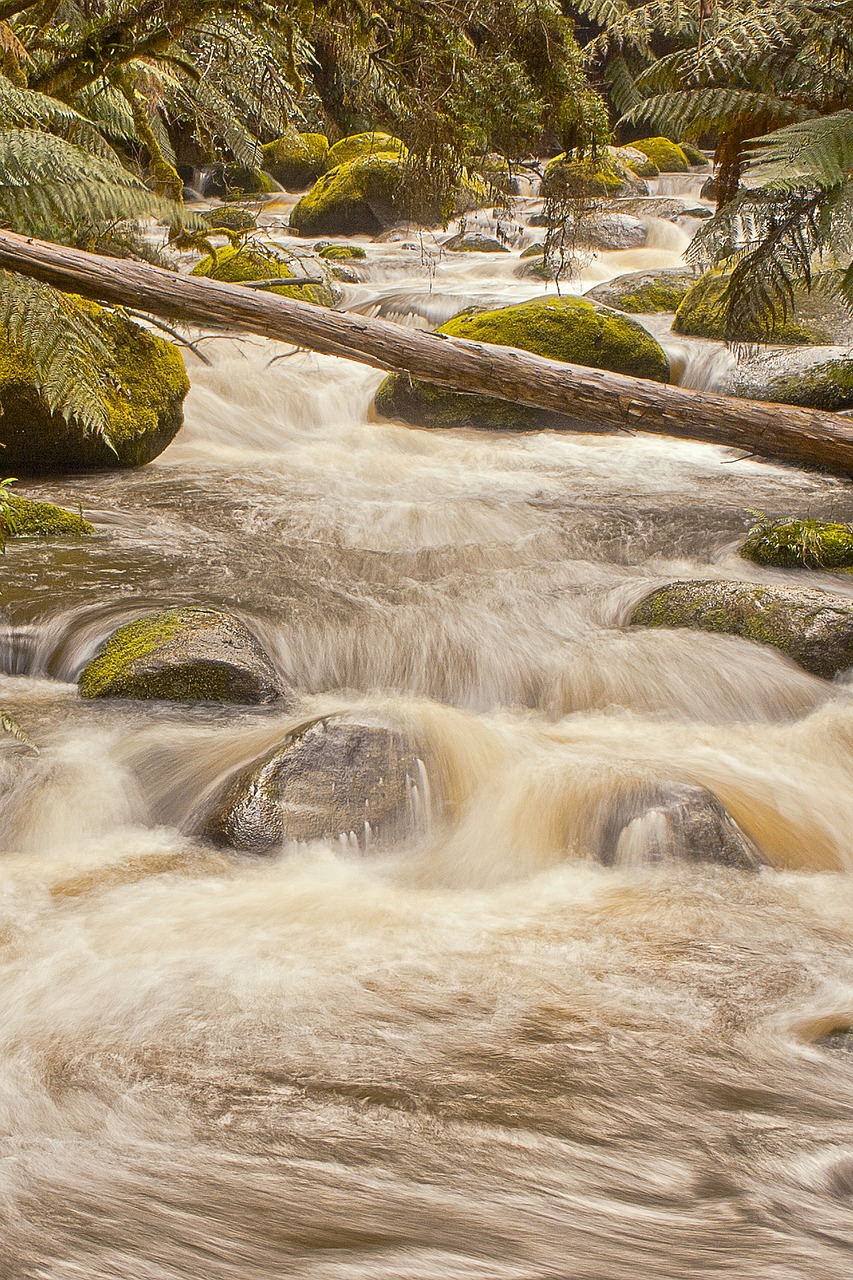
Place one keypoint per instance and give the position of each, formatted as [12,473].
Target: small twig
[277,281]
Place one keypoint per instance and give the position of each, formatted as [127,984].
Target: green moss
[637,161]
[230,218]
[826,386]
[695,157]
[668,156]
[143,405]
[29,519]
[800,544]
[107,674]
[340,252]
[297,159]
[534,250]
[568,329]
[701,315]
[364,144]
[240,180]
[582,179]
[235,264]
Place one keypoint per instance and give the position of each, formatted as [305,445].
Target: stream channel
[477,1054]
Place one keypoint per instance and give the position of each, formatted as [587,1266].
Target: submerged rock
[29,519]
[674,822]
[812,627]
[645,292]
[569,329]
[816,378]
[667,155]
[238,263]
[332,779]
[297,159]
[187,654]
[144,406]
[800,544]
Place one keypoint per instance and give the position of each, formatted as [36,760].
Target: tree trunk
[592,398]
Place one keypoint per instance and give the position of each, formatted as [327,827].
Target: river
[477,1054]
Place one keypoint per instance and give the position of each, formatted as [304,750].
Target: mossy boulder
[569,329]
[800,544]
[668,156]
[645,292]
[701,315]
[230,218]
[696,158]
[182,655]
[637,161]
[814,377]
[667,821]
[296,160]
[333,779]
[29,519]
[364,144]
[813,628]
[233,181]
[340,252]
[603,179]
[144,402]
[235,263]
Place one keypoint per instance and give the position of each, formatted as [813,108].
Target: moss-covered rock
[604,179]
[234,264]
[26,518]
[811,627]
[645,292]
[230,218]
[364,144]
[667,155]
[182,655]
[800,544]
[701,315]
[297,159]
[233,181]
[333,779]
[340,252]
[637,161]
[814,377]
[696,158]
[569,329]
[144,406]
[364,197]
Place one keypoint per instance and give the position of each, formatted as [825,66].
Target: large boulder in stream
[569,329]
[814,377]
[144,403]
[665,154]
[602,179]
[296,159]
[357,145]
[818,315]
[335,778]
[645,292]
[188,654]
[673,822]
[812,627]
[800,544]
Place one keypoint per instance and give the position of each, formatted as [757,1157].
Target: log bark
[592,398]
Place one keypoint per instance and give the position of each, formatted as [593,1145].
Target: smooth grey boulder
[815,377]
[474,242]
[645,292]
[810,626]
[667,208]
[187,654]
[332,779]
[674,822]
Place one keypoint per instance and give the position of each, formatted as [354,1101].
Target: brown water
[478,1055]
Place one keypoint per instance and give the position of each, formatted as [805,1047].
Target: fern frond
[817,152]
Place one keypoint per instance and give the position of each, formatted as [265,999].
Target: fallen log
[592,398]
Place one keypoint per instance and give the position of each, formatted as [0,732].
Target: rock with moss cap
[339,252]
[816,378]
[230,218]
[237,263]
[695,158]
[637,161]
[701,314]
[667,155]
[364,144]
[339,778]
[26,518]
[813,628]
[143,401]
[296,159]
[569,329]
[233,181]
[800,544]
[645,292]
[585,180]
[182,655]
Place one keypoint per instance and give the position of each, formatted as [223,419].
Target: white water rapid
[478,1055]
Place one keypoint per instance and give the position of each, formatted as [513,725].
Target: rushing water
[478,1055]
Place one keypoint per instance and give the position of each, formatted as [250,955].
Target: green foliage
[800,544]
[262,260]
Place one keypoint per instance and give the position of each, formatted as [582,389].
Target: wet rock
[339,252]
[817,377]
[144,404]
[230,218]
[333,779]
[231,181]
[644,292]
[604,179]
[667,208]
[612,231]
[474,242]
[674,822]
[186,654]
[25,518]
[697,158]
[569,329]
[813,628]
[708,190]
[800,544]
[637,161]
